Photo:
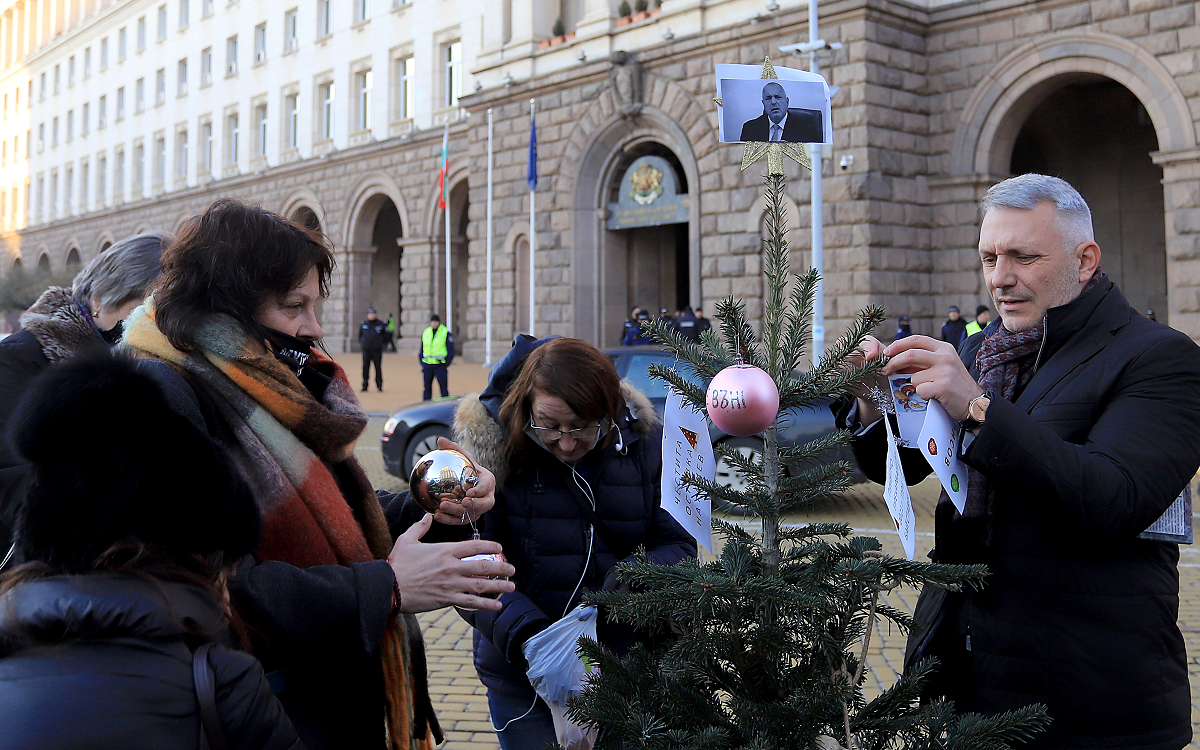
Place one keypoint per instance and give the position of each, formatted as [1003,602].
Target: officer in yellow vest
[437,352]
[983,316]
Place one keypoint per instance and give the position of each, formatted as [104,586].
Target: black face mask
[295,353]
[113,335]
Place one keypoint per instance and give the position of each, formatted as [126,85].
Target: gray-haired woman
[62,323]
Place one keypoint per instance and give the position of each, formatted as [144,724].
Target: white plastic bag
[557,671]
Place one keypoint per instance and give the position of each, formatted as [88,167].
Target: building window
[70,71]
[139,99]
[325,100]
[41,137]
[87,63]
[119,174]
[291,29]
[183,13]
[363,82]
[54,133]
[139,167]
[160,86]
[231,56]
[29,99]
[141,34]
[260,123]
[53,193]
[162,22]
[70,125]
[69,188]
[181,155]
[361,10]
[102,112]
[260,43]
[291,114]
[453,80]
[120,104]
[122,44]
[84,116]
[42,87]
[104,53]
[83,186]
[206,8]
[181,81]
[206,67]
[206,146]
[406,95]
[324,18]
[4,154]
[233,137]
[101,179]
[6,105]
[57,79]
[160,160]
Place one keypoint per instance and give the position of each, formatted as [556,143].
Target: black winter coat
[1078,613]
[544,534]
[105,661]
[317,630]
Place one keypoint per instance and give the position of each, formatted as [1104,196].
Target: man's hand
[479,499]
[869,350]
[936,371]
[432,576]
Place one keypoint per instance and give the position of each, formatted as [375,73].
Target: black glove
[612,582]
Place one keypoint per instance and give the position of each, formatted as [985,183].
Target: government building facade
[126,115]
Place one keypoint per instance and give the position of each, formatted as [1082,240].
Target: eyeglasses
[582,434]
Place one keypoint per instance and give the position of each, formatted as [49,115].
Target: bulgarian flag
[442,171]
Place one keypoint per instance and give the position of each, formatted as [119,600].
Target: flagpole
[532,227]
[488,315]
[446,213]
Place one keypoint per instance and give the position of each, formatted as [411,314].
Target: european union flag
[531,172]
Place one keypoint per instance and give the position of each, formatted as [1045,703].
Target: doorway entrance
[385,262]
[1110,166]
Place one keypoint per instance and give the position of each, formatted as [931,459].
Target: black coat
[372,334]
[544,534]
[801,126]
[1078,613]
[105,661]
[317,630]
[21,360]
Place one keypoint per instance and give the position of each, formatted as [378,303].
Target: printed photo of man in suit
[779,123]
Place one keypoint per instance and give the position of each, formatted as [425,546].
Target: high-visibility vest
[433,345]
[973,328]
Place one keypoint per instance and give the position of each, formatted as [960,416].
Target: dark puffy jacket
[105,661]
[372,334]
[544,534]
[1078,613]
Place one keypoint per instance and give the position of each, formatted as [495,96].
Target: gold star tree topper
[775,150]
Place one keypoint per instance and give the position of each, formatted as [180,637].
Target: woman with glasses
[577,455]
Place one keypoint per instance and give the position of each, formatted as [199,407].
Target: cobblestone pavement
[461,701]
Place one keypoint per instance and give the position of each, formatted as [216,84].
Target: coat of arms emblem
[646,184]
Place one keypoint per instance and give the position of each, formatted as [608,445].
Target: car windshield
[639,376]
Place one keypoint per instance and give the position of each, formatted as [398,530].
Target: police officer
[437,352]
[688,325]
[983,316]
[371,336]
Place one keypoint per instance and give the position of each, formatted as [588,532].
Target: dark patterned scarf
[1006,362]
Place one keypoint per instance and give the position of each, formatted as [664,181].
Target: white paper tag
[686,449]
[939,441]
[910,409]
[895,493]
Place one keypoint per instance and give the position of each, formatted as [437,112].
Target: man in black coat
[372,335]
[779,123]
[1081,420]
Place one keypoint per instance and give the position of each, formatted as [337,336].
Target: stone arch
[1010,91]
[670,116]
[364,204]
[44,266]
[104,241]
[304,202]
[73,258]
[516,250]
[180,220]
[141,228]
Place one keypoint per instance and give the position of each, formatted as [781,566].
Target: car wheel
[423,441]
[726,474]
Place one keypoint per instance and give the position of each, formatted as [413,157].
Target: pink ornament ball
[742,400]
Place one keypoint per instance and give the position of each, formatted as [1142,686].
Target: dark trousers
[520,723]
[373,356]
[435,371]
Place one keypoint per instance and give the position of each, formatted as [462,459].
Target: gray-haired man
[1081,420]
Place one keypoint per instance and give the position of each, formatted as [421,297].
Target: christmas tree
[768,643]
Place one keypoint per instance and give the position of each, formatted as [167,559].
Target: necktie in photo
[776,133]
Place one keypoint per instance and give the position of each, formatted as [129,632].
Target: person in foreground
[1080,422]
[579,459]
[62,323]
[230,329]
[124,579]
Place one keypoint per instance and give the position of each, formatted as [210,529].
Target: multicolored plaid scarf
[286,441]
[1006,362]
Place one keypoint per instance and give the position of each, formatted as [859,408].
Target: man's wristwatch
[976,412]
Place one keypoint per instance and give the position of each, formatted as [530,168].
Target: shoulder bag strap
[211,734]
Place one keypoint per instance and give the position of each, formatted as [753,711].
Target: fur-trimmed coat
[545,536]
[53,329]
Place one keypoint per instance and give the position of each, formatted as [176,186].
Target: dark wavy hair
[232,259]
[571,369]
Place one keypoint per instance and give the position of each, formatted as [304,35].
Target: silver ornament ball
[439,476]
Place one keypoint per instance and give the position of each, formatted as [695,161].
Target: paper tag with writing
[910,409]
[895,493]
[939,442]
[686,448]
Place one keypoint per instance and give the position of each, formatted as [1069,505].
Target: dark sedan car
[413,431]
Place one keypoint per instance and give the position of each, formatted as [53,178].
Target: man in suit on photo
[778,123]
